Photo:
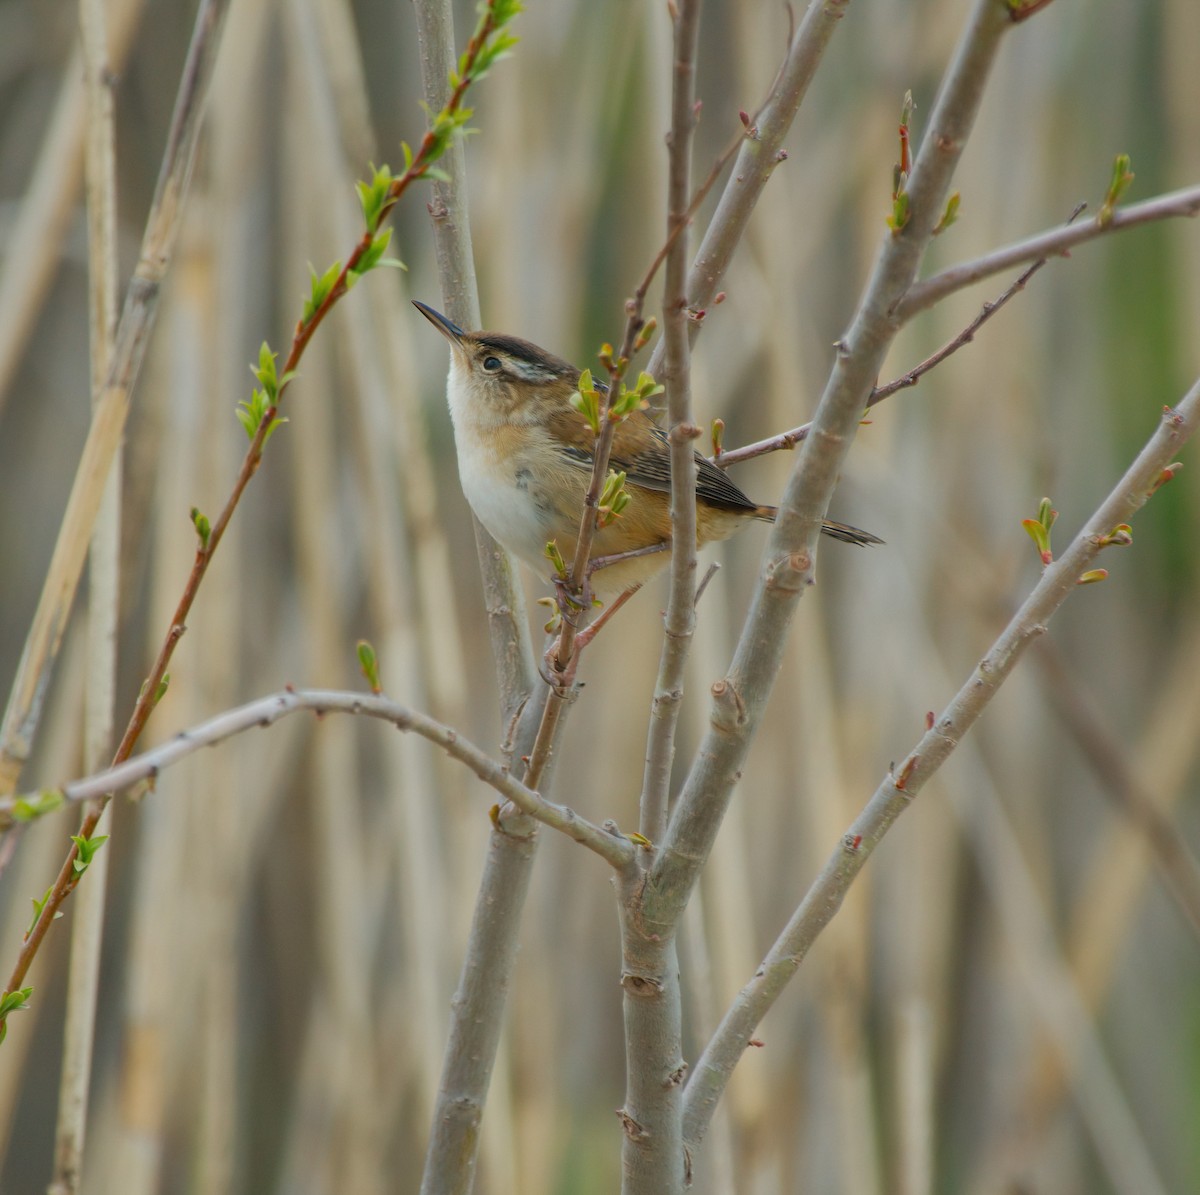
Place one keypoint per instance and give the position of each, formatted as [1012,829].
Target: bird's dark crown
[521,360]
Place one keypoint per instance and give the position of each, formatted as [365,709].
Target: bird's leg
[571,602]
[561,678]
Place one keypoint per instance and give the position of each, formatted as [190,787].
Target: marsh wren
[525,458]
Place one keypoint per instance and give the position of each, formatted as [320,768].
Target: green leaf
[265,371]
[374,196]
[643,337]
[718,436]
[38,907]
[1118,184]
[251,414]
[1039,530]
[202,525]
[373,257]
[586,400]
[48,800]
[87,848]
[320,288]
[16,1001]
[900,213]
[556,558]
[369,664]
[613,498]
[950,215]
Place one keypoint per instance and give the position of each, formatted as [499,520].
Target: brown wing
[641,450]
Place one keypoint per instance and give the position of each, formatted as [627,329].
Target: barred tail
[848,534]
[842,531]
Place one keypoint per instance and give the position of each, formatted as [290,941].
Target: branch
[739,698]
[1102,748]
[652,1145]
[478,1007]
[508,626]
[140,772]
[378,199]
[761,151]
[926,294]
[87,926]
[787,440]
[897,791]
[1055,242]
[24,708]
[680,621]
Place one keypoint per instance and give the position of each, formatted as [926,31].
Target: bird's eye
[491,364]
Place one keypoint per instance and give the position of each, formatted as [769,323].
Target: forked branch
[899,788]
[141,771]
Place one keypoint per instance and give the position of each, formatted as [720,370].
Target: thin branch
[1055,242]
[760,153]
[740,697]
[683,221]
[899,788]
[104,436]
[680,621]
[87,926]
[141,771]
[36,235]
[1101,746]
[478,1007]
[789,439]
[1022,10]
[161,227]
[653,1156]
[108,421]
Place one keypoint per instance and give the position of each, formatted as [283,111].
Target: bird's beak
[448,328]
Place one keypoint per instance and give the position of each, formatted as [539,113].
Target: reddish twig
[418,168]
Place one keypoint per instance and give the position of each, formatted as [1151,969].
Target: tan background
[286,914]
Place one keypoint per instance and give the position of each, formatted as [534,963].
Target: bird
[525,458]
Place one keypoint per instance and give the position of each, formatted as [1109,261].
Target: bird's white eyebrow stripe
[529,372]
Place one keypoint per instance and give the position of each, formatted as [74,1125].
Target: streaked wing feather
[641,450]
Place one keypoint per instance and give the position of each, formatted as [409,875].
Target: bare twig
[898,789]
[87,926]
[739,698]
[1022,10]
[108,421]
[140,772]
[681,604]
[789,439]
[164,211]
[1102,747]
[477,1010]
[31,246]
[653,1157]
[1056,242]
[141,305]
[757,158]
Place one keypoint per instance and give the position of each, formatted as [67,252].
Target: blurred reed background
[1010,999]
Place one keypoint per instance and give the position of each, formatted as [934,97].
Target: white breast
[495,480]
